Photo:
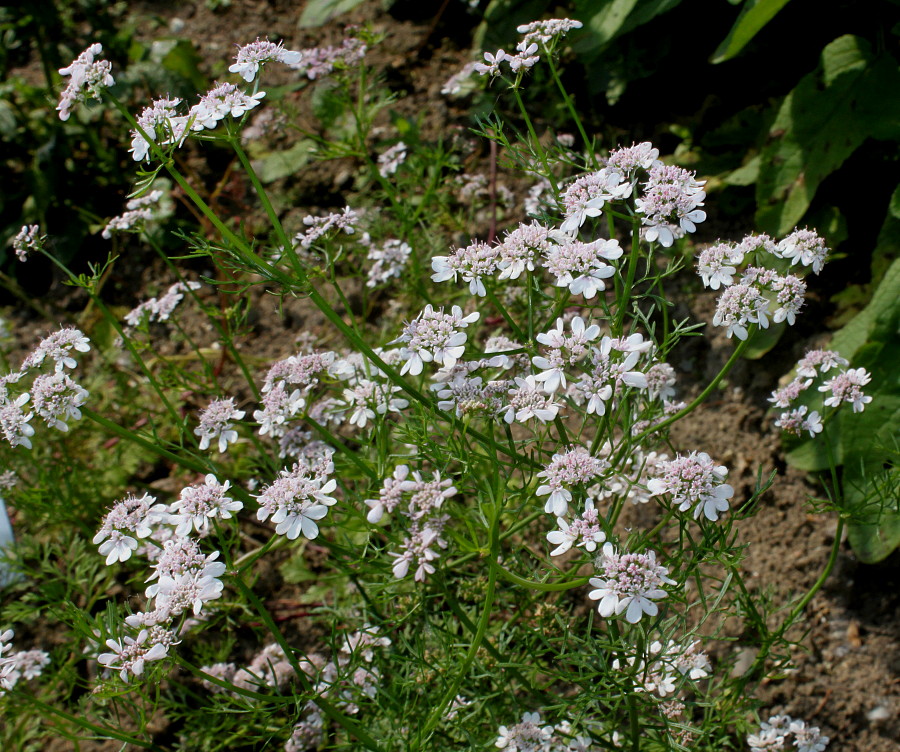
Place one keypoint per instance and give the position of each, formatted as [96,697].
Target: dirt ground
[847,678]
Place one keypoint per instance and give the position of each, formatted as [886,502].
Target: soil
[846,674]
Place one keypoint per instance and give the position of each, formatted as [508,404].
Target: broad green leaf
[605,21]
[821,123]
[763,340]
[281,164]
[754,15]
[878,315]
[320,12]
[873,543]
[183,60]
[746,174]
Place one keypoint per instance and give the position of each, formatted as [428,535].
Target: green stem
[572,111]
[451,691]
[542,155]
[738,351]
[623,302]
[234,689]
[547,587]
[102,731]
[116,429]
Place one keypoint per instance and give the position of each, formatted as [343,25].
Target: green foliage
[755,14]
[320,12]
[866,444]
[829,114]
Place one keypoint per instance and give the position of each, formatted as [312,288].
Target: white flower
[472,263]
[491,64]
[390,161]
[296,500]
[87,77]
[694,480]
[198,504]
[573,467]
[129,655]
[845,387]
[27,241]
[584,531]
[57,398]
[219,102]
[632,582]
[434,336]
[128,520]
[216,425]
[804,247]
[527,401]
[251,56]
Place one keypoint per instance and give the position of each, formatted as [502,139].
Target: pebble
[878,713]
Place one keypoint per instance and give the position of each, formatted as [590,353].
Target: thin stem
[542,155]
[451,691]
[572,111]
[116,429]
[738,351]
[547,587]
[101,731]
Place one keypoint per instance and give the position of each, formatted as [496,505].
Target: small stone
[878,713]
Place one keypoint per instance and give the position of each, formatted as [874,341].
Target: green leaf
[746,174]
[320,12]
[281,164]
[754,15]
[183,60]
[821,123]
[763,340]
[605,21]
[873,543]
[879,316]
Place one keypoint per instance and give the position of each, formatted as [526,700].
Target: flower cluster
[21,664]
[750,298]
[127,521]
[630,584]
[670,203]
[55,396]
[390,161]
[159,309]
[537,36]
[845,386]
[585,531]
[216,424]
[390,259]
[201,503]
[251,56]
[130,654]
[587,196]
[138,212]
[318,226]
[434,336]
[664,666]
[161,124]
[317,62]
[420,501]
[573,467]
[694,481]
[296,499]
[775,733]
[531,734]
[27,241]
[87,78]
